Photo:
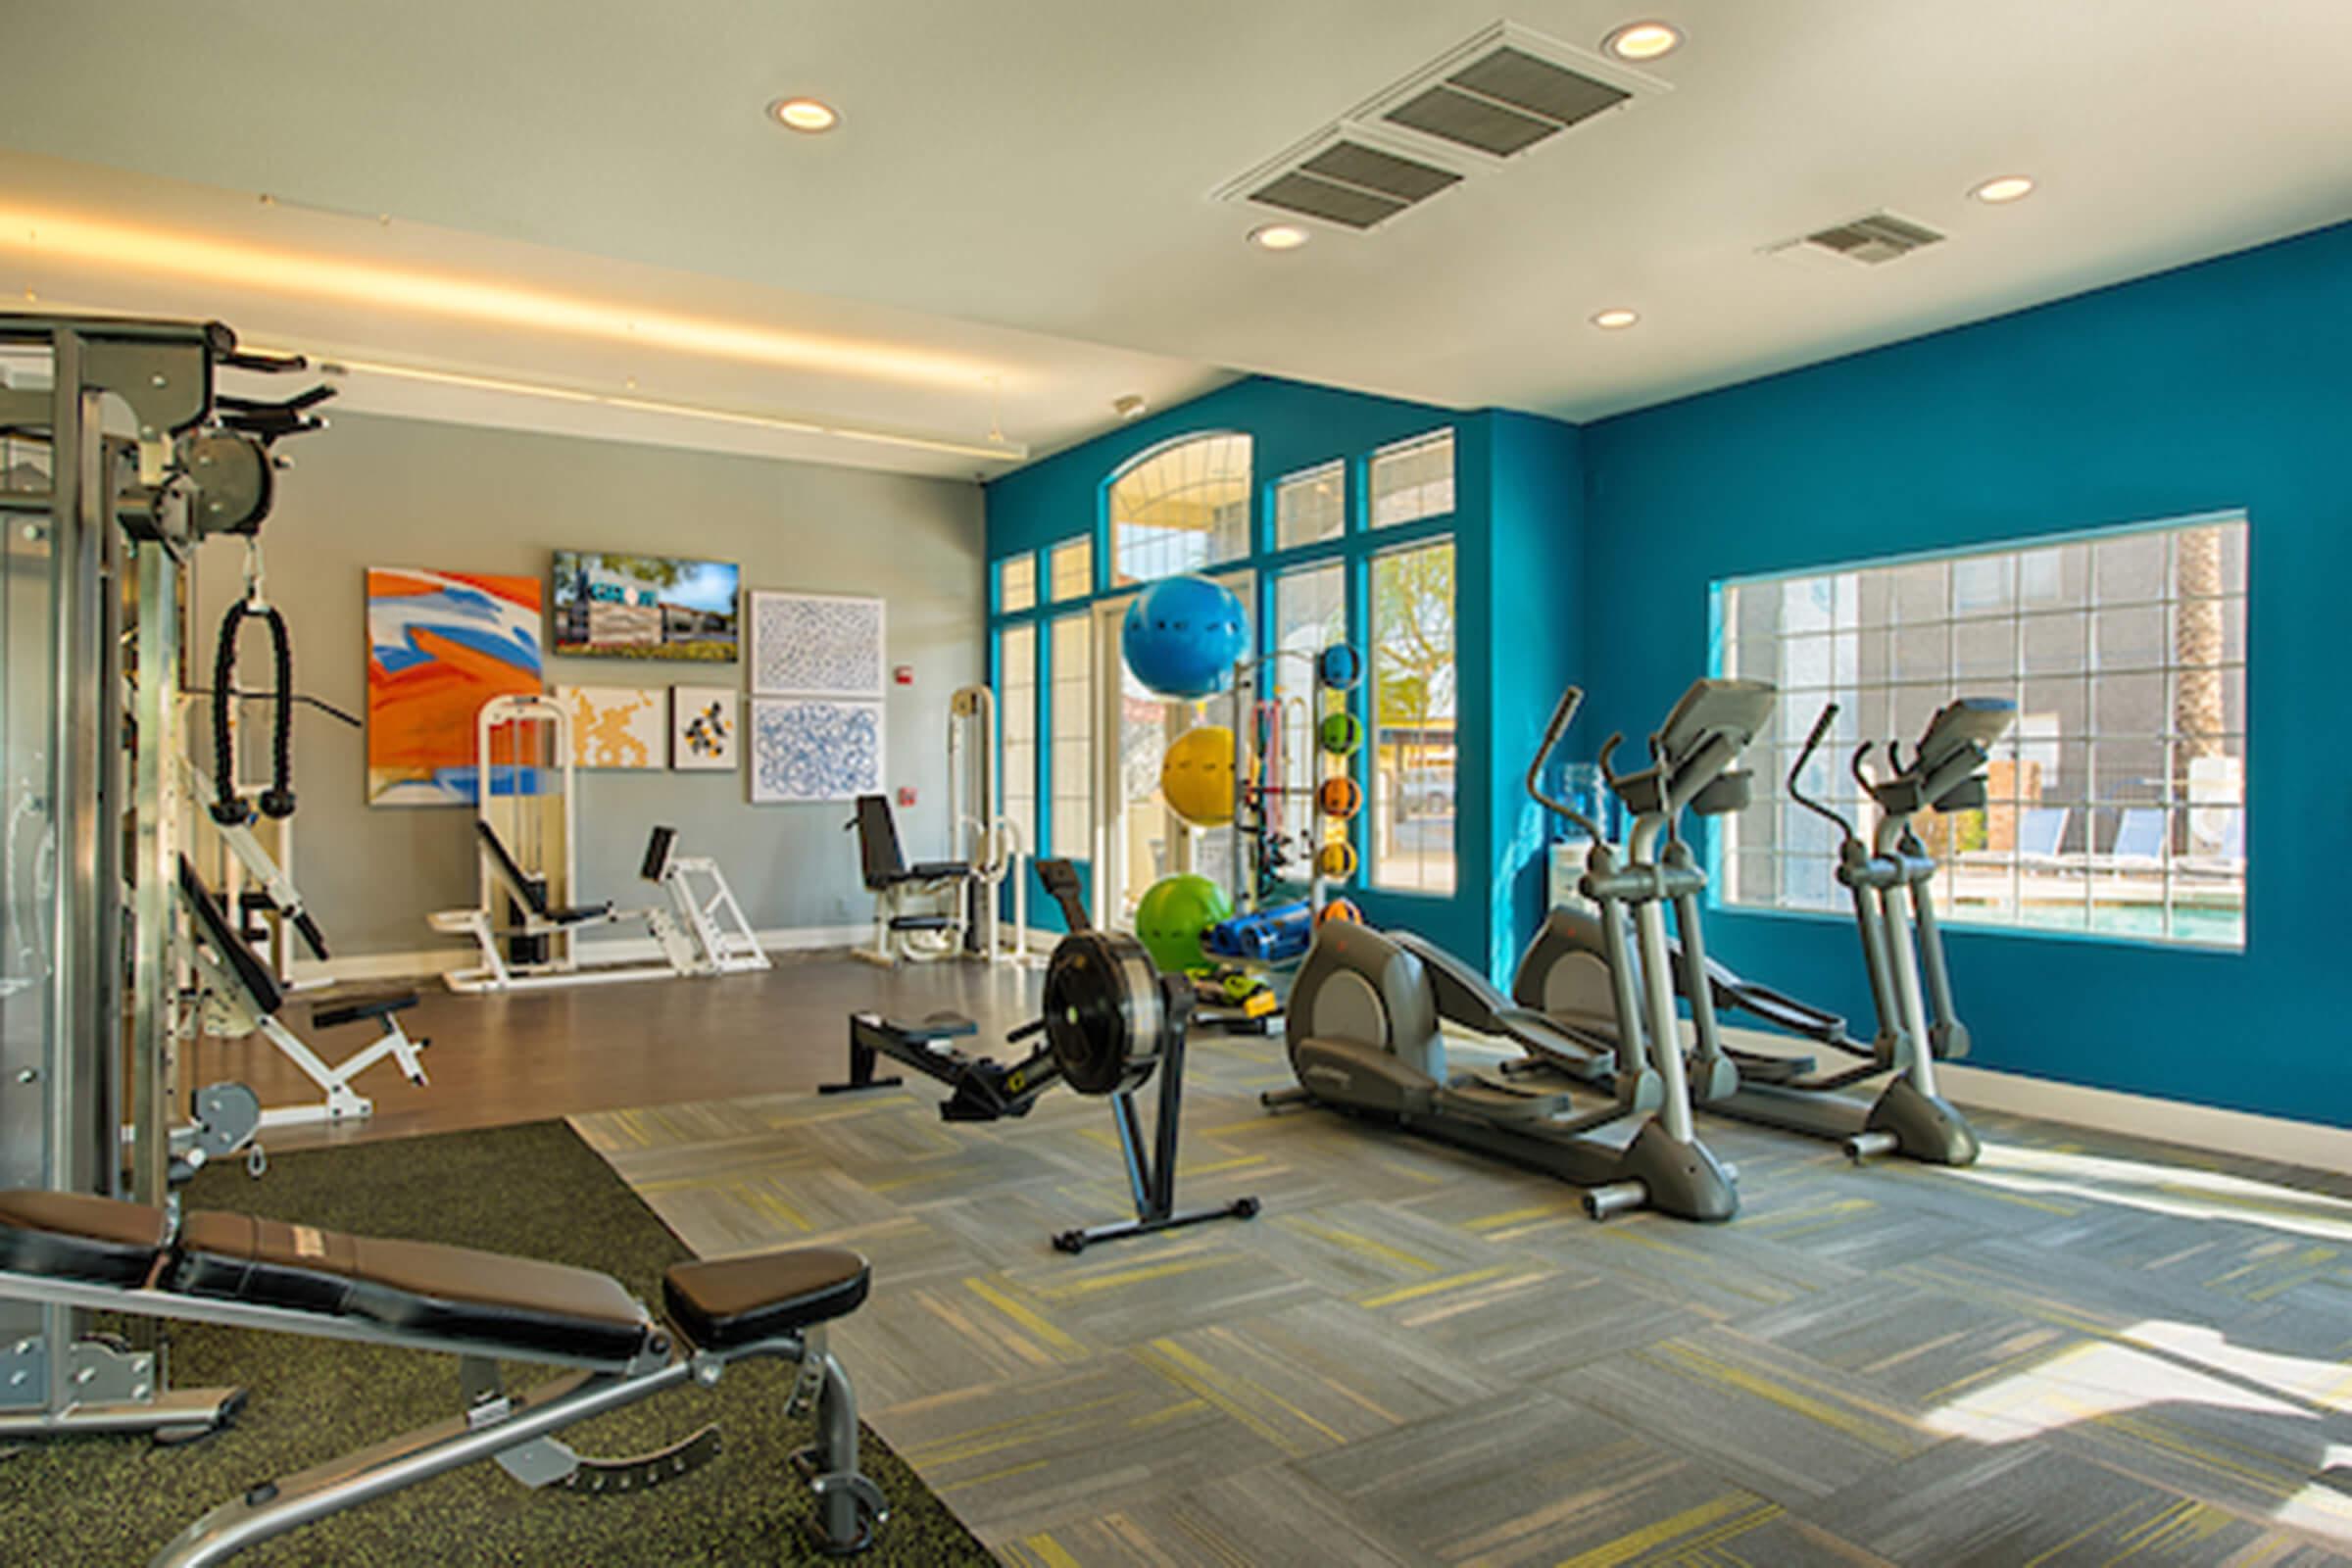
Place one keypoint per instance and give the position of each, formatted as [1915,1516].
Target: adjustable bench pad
[485,1300]
[420,1287]
[736,1300]
[97,1241]
[328,1014]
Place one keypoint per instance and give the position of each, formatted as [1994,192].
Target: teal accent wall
[1536,607]
[2221,386]
[1590,555]
[1517,498]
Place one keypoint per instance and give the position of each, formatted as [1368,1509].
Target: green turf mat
[536,1191]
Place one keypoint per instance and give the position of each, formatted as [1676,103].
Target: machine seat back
[660,845]
[882,860]
[525,890]
[528,891]
[214,931]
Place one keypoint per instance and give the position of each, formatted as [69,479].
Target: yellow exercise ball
[1335,858]
[1197,775]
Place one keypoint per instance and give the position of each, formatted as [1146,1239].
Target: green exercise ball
[1172,916]
[1340,733]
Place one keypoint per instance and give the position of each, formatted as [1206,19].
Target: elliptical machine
[1890,877]
[1363,1012]
[1568,969]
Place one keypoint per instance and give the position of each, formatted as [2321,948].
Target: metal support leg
[848,1506]
[1151,1175]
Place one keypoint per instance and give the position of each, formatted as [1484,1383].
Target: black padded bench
[882,865]
[530,891]
[98,1252]
[330,1014]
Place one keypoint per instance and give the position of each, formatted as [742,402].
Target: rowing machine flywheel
[1109,1016]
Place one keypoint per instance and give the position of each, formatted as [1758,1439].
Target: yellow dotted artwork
[619,726]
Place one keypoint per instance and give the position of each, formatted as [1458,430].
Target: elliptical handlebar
[1797,793]
[1868,781]
[1562,717]
[1608,749]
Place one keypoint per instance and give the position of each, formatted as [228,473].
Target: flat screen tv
[644,607]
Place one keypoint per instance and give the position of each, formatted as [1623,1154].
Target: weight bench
[245,999]
[700,932]
[102,1254]
[901,929]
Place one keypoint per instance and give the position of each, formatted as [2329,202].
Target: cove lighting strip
[998,451]
[60,236]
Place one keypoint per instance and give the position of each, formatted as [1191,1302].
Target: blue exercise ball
[1183,636]
[1340,666]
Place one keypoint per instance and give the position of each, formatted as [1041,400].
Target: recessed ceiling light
[1642,40]
[1612,320]
[1279,237]
[805,113]
[2006,188]
[1127,406]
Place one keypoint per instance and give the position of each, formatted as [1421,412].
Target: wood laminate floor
[498,1060]
[2085,1351]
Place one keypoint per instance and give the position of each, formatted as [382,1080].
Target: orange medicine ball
[1340,795]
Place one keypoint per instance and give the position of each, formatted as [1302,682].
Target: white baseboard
[432,962]
[2311,1143]
[2173,1121]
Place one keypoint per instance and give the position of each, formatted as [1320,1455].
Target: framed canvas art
[616,726]
[702,728]
[440,644]
[817,645]
[815,749]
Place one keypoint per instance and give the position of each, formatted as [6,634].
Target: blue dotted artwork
[813,749]
[816,645]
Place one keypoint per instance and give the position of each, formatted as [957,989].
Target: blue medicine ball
[1183,637]
[1340,666]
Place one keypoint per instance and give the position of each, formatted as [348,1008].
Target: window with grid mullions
[2116,803]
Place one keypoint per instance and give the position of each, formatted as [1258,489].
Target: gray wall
[382,492]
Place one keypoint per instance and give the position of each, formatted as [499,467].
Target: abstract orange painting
[440,644]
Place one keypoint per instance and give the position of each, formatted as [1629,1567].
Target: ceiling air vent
[1459,116]
[1504,102]
[1350,183]
[1879,238]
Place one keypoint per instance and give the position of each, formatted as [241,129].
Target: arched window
[1181,507]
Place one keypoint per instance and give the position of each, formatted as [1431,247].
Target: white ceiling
[1025,187]
[603,347]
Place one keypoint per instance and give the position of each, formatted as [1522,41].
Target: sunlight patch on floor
[2162,1189]
[2158,1363]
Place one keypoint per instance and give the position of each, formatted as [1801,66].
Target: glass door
[1143,839]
